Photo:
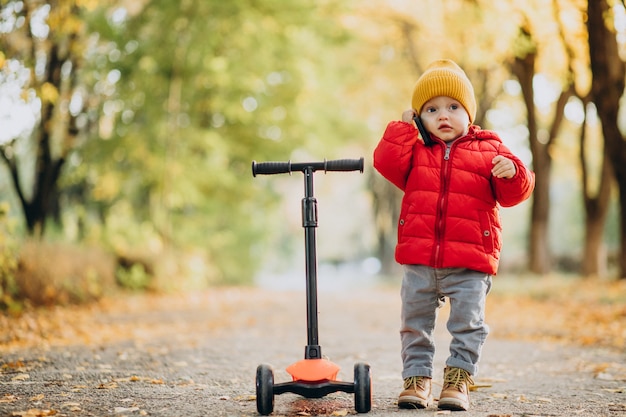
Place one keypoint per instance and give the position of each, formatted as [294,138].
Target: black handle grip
[269,168]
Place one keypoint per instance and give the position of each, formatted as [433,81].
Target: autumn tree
[193,105]
[595,167]
[607,89]
[48,40]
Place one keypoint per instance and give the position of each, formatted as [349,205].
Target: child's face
[445,118]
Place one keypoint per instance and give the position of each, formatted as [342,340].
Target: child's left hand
[503,167]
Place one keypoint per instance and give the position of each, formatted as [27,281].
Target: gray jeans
[423,292]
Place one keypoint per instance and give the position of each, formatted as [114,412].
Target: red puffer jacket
[449,216]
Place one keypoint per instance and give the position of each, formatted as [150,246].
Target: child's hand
[408,115]
[503,167]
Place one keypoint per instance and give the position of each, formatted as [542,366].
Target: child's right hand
[408,115]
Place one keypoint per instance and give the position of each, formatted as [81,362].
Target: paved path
[196,355]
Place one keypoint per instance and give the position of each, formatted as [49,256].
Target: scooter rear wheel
[362,388]
[264,389]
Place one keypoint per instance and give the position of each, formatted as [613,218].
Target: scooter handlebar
[269,168]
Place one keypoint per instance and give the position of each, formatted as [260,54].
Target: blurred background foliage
[127,130]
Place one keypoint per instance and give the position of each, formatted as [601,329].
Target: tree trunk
[55,123]
[596,209]
[386,208]
[607,87]
[540,259]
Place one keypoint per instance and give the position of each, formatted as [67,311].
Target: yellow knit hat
[445,78]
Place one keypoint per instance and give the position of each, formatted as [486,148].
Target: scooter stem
[309,222]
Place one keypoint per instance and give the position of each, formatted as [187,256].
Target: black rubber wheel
[264,389]
[362,388]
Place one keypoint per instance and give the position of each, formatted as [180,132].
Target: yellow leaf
[33,412]
[245,398]
[8,398]
[340,413]
[49,93]
[620,390]
[476,387]
[37,397]
[20,377]
[125,409]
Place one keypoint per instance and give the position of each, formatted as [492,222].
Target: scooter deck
[317,389]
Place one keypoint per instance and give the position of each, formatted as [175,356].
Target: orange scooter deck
[313,370]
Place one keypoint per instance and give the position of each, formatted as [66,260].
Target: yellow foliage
[49,93]
[61,18]
[88,4]
[107,187]
[49,274]
[581,312]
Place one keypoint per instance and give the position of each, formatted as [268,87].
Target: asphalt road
[196,355]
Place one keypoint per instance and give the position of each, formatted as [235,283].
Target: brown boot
[455,392]
[417,393]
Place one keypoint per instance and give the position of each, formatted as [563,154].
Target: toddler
[454,177]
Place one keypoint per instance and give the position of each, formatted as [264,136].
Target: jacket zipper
[445,179]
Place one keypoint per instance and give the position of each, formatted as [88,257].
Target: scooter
[314,376]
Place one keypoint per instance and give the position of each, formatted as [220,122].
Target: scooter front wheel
[264,389]
[362,388]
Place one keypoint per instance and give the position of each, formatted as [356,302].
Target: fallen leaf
[8,398]
[108,385]
[13,365]
[476,387]
[33,412]
[119,410]
[245,398]
[340,413]
[20,377]
[37,398]
[620,390]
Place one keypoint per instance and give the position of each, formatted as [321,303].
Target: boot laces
[417,382]
[457,378]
